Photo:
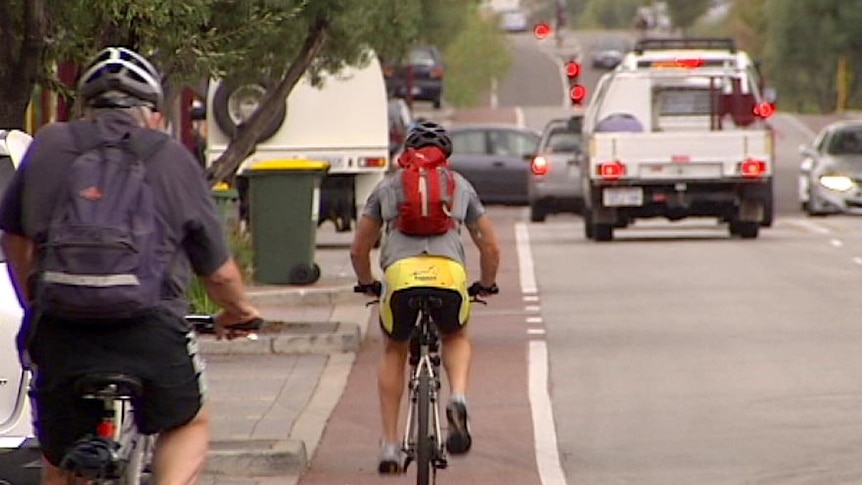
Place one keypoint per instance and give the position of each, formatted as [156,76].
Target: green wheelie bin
[283,207]
[227,201]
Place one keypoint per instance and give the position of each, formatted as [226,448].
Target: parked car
[400,119]
[514,20]
[830,177]
[555,185]
[493,158]
[609,53]
[420,77]
[15,428]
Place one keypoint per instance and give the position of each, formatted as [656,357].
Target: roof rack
[717,43]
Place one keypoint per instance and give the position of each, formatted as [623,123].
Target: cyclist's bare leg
[52,475]
[180,453]
[457,355]
[390,385]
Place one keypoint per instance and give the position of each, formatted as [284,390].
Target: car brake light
[612,170]
[372,162]
[388,71]
[752,168]
[539,165]
[437,73]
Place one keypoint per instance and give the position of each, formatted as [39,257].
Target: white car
[15,427]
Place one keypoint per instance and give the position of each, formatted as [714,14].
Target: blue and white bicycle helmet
[118,77]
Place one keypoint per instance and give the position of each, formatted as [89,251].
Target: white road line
[531,298]
[534,320]
[525,259]
[519,117]
[532,308]
[809,226]
[536,331]
[837,243]
[494,98]
[857,260]
[544,434]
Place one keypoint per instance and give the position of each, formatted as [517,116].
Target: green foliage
[477,55]
[240,244]
[611,14]
[684,13]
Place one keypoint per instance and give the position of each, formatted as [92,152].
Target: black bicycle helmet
[120,78]
[429,133]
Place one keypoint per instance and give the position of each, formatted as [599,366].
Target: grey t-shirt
[382,205]
[191,224]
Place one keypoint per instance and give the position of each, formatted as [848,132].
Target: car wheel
[588,224]
[233,104]
[603,232]
[437,103]
[745,230]
[813,206]
[537,212]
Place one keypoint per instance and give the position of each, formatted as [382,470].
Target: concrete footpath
[271,397]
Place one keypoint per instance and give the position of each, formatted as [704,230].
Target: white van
[15,427]
[344,122]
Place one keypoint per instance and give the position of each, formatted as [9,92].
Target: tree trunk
[243,145]
[22,65]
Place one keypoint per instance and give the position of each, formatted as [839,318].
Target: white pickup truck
[683,141]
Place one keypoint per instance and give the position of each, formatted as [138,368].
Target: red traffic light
[573,69]
[578,93]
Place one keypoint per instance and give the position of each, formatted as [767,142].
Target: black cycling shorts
[158,348]
[446,317]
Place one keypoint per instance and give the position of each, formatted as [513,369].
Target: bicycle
[117,454]
[423,438]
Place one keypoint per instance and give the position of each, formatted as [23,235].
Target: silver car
[830,177]
[554,184]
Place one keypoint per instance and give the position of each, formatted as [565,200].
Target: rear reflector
[752,168]
[612,170]
[539,165]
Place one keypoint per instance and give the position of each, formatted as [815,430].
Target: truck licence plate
[623,197]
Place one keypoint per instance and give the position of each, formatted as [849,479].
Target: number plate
[623,197]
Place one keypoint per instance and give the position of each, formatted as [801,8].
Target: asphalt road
[675,354]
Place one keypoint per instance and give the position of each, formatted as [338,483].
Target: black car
[420,77]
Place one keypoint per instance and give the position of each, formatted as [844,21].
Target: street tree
[23,28]
[684,13]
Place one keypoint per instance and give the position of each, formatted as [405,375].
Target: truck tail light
[539,165]
[612,170]
[437,73]
[752,168]
[372,162]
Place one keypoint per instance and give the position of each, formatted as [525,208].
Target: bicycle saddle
[109,385]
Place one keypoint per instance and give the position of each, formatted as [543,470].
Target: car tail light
[612,170]
[539,165]
[437,73]
[752,168]
[388,71]
[372,162]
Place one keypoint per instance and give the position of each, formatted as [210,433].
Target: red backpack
[428,193]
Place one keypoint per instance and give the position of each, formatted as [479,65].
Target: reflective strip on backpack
[90,280]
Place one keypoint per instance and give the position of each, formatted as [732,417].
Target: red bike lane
[501,421]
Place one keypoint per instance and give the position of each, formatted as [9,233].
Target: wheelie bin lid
[295,164]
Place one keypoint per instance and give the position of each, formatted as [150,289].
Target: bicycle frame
[422,440]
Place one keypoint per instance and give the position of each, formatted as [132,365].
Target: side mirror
[807,151]
[770,94]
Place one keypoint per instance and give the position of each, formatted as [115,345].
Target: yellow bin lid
[296,164]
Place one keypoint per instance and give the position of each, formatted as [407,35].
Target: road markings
[532,308]
[544,435]
[544,431]
[531,298]
[494,98]
[519,117]
[836,243]
[525,259]
[857,260]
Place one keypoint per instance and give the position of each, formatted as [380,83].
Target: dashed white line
[536,331]
[525,258]
[532,308]
[531,298]
[857,260]
[534,319]
[836,243]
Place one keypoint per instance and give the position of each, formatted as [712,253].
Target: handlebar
[205,324]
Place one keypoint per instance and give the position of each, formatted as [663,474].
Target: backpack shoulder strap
[145,143]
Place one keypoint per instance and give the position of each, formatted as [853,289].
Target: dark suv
[420,77]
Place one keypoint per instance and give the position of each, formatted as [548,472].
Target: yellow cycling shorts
[423,275]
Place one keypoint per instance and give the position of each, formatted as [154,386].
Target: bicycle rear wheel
[424,443]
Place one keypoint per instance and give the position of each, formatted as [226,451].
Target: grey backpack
[98,258]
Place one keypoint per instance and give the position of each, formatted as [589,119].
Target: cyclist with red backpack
[422,207]
[103,224]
